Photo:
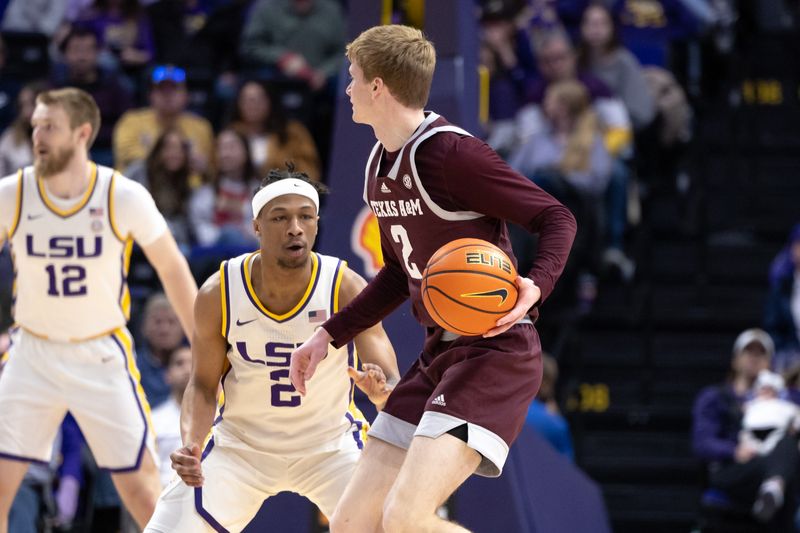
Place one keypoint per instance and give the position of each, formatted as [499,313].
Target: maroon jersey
[444,184]
[413,224]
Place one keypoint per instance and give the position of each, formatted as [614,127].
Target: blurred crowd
[591,100]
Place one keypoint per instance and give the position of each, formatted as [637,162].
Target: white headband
[281,187]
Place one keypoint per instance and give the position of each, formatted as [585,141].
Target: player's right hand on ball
[186,462]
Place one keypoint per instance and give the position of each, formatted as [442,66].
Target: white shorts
[96,380]
[237,482]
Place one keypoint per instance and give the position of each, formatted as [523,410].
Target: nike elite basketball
[467,285]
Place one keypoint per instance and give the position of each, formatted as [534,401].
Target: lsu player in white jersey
[248,319]
[71,224]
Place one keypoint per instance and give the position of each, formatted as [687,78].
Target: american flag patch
[96,211]
[320,315]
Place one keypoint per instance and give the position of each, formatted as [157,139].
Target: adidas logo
[384,188]
[439,400]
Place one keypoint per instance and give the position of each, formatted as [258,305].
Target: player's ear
[85,132]
[256,227]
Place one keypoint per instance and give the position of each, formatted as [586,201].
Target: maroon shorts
[486,383]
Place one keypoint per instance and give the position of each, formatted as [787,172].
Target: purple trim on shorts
[141,412]
[19,458]
[198,497]
[222,407]
[208,448]
[357,433]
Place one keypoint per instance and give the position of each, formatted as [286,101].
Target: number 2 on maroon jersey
[400,236]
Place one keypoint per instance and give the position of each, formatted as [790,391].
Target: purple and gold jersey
[71,257]
[262,410]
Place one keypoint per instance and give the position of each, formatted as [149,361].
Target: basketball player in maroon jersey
[463,402]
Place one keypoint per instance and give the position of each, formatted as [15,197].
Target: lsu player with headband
[249,317]
[71,224]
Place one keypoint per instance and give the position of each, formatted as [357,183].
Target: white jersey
[261,409]
[71,258]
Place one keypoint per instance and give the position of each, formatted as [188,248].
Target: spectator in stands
[167,416]
[137,130]
[649,27]
[557,61]
[544,415]
[782,313]
[601,53]
[569,151]
[168,175]
[298,39]
[507,55]
[9,87]
[768,416]
[274,139]
[34,16]
[204,36]
[123,30]
[568,159]
[161,334]
[220,212]
[81,69]
[16,148]
[736,473]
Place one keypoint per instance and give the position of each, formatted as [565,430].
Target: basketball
[467,285]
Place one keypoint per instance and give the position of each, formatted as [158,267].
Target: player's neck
[280,288]
[397,126]
[72,181]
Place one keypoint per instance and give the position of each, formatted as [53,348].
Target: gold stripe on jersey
[71,211]
[354,411]
[114,229]
[124,338]
[337,283]
[314,268]
[223,282]
[18,214]
[125,296]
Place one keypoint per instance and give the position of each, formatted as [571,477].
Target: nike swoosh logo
[106,359]
[240,323]
[500,293]
[34,217]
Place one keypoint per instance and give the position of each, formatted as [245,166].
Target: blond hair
[574,96]
[401,56]
[79,106]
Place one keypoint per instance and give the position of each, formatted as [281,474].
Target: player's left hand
[372,381]
[528,295]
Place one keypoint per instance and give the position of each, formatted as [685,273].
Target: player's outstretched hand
[372,381]
[186,462]
[528,295]
[306,357]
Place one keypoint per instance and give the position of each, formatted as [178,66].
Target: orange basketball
[467,285]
